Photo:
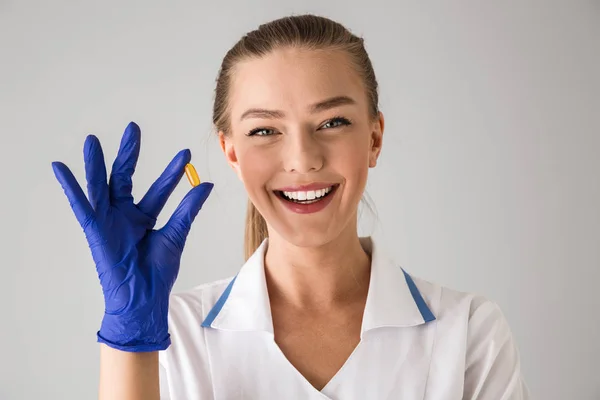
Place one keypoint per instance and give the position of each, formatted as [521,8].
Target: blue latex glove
[136,264]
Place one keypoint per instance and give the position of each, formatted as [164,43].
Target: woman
[316,311]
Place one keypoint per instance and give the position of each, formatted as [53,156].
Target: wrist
[135,333]
[136,346]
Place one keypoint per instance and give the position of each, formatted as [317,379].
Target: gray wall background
[488,181]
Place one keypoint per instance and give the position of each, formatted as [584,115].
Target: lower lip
[308,208]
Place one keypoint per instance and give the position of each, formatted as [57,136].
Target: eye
[332,123]
[336,122]
[261,132]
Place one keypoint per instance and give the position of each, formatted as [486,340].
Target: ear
[229,150]
[376,140]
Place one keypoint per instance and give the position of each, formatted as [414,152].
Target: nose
[303,153]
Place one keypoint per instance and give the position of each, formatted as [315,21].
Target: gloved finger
[95,172]
[79,203]
[123,167]
[177,228]
[155,199]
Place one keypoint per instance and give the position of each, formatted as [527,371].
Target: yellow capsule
[192,175]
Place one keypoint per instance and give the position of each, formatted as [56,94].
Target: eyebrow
[314,108]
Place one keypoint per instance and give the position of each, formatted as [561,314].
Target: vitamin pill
[192,175]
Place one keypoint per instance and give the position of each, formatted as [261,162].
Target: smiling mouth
[307,196]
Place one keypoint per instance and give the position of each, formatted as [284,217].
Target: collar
[393,299]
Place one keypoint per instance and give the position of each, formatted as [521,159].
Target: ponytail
[256,230]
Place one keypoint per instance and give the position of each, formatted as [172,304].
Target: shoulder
[187,310]
[192,305]
[185,370]
[476,311]
[474,329]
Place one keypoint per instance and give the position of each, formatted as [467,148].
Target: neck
[333,274]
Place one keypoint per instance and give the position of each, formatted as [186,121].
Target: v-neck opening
[331,381]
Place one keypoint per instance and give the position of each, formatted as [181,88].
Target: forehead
[292,79]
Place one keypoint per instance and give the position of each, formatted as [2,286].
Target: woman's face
[300,128]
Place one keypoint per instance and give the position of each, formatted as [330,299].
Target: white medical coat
[418,341]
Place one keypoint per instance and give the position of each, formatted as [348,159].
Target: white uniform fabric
[418,341]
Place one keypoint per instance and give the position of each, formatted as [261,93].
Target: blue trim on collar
[414,291]
[218,305]
[421,305]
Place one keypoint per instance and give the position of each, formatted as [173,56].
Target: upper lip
[306,187]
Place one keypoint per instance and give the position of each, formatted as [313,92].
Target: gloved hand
[137,265]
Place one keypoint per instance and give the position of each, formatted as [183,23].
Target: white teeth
[307,195]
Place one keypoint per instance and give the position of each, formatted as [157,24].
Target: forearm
[128,376]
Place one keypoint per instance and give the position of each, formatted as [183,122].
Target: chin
[307,234]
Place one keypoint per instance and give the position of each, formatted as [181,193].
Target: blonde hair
[306,31]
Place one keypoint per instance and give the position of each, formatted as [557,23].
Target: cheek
[352,157]
[255,168]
